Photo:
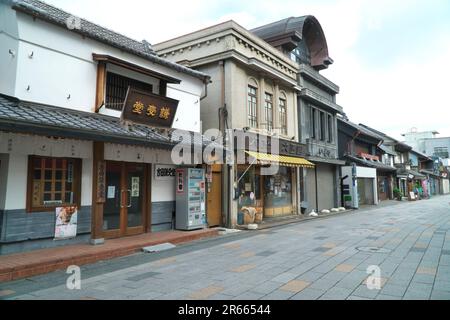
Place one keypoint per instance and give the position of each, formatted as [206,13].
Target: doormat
[159,248]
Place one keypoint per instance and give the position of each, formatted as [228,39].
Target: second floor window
[441,152]
[268,108]
[283,117]
[322,126]
[312,120]
[252,112]
[330,129]
[117,87]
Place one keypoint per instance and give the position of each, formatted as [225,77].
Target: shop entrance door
[365,191]
[124,209]
[215,201]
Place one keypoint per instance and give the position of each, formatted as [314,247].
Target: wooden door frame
[124,231]
[215,171]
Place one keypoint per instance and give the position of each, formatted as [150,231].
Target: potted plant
[398,194]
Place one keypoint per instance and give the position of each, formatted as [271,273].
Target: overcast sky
[392,57]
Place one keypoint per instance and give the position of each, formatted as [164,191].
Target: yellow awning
[265,159]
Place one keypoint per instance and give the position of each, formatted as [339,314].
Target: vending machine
[191,199]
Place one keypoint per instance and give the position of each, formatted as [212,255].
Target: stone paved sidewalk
[320,259]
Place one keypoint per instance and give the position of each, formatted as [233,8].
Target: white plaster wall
[86,181]
[8,41]
[16,187]
[445,186]
[62,65]
[366,172]
[362,172]
[119,152]
[19,147]
[162,190]
[188,113]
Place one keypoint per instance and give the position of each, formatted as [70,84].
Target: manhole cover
[373,249]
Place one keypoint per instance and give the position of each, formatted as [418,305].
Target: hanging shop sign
[66,223]
[180,181]
[135,187]
[149,109]
[164,173]
[101,182]
[293,149]
[254,141]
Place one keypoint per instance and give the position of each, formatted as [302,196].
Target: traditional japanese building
[63,87]
[369,175]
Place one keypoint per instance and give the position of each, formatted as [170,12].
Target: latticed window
[268,107]
[117,87]
[53,182]
[252,107]
[283,116]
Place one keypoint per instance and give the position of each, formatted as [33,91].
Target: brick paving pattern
[320,259]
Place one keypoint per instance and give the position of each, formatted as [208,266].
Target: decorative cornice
[314,97]
[241,37]
[316,77]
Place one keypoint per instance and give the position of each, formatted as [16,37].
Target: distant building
[429,144]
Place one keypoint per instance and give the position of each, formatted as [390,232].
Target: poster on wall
[66,223]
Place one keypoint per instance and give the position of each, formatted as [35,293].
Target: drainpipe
[205,82]
[317,189]
[226,169]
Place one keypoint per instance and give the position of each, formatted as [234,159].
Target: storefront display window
[278,193]
[271,196]
[249,187]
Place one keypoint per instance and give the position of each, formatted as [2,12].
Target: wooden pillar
[98,190]
[101,86]
[163,88]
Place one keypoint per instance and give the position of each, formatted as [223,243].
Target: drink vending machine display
[191,199]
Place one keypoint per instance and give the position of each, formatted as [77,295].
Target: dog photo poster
[66,223]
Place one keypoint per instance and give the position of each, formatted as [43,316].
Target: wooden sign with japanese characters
[149,109]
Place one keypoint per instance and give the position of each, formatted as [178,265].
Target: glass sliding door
[112,209]
[125,206]
[135,184]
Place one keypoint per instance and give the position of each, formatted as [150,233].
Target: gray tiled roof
[27,117]
[362,129]
[371,164]
[405,172]
[60,17]
[281,27]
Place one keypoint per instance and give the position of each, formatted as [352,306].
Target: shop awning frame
[268,159]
